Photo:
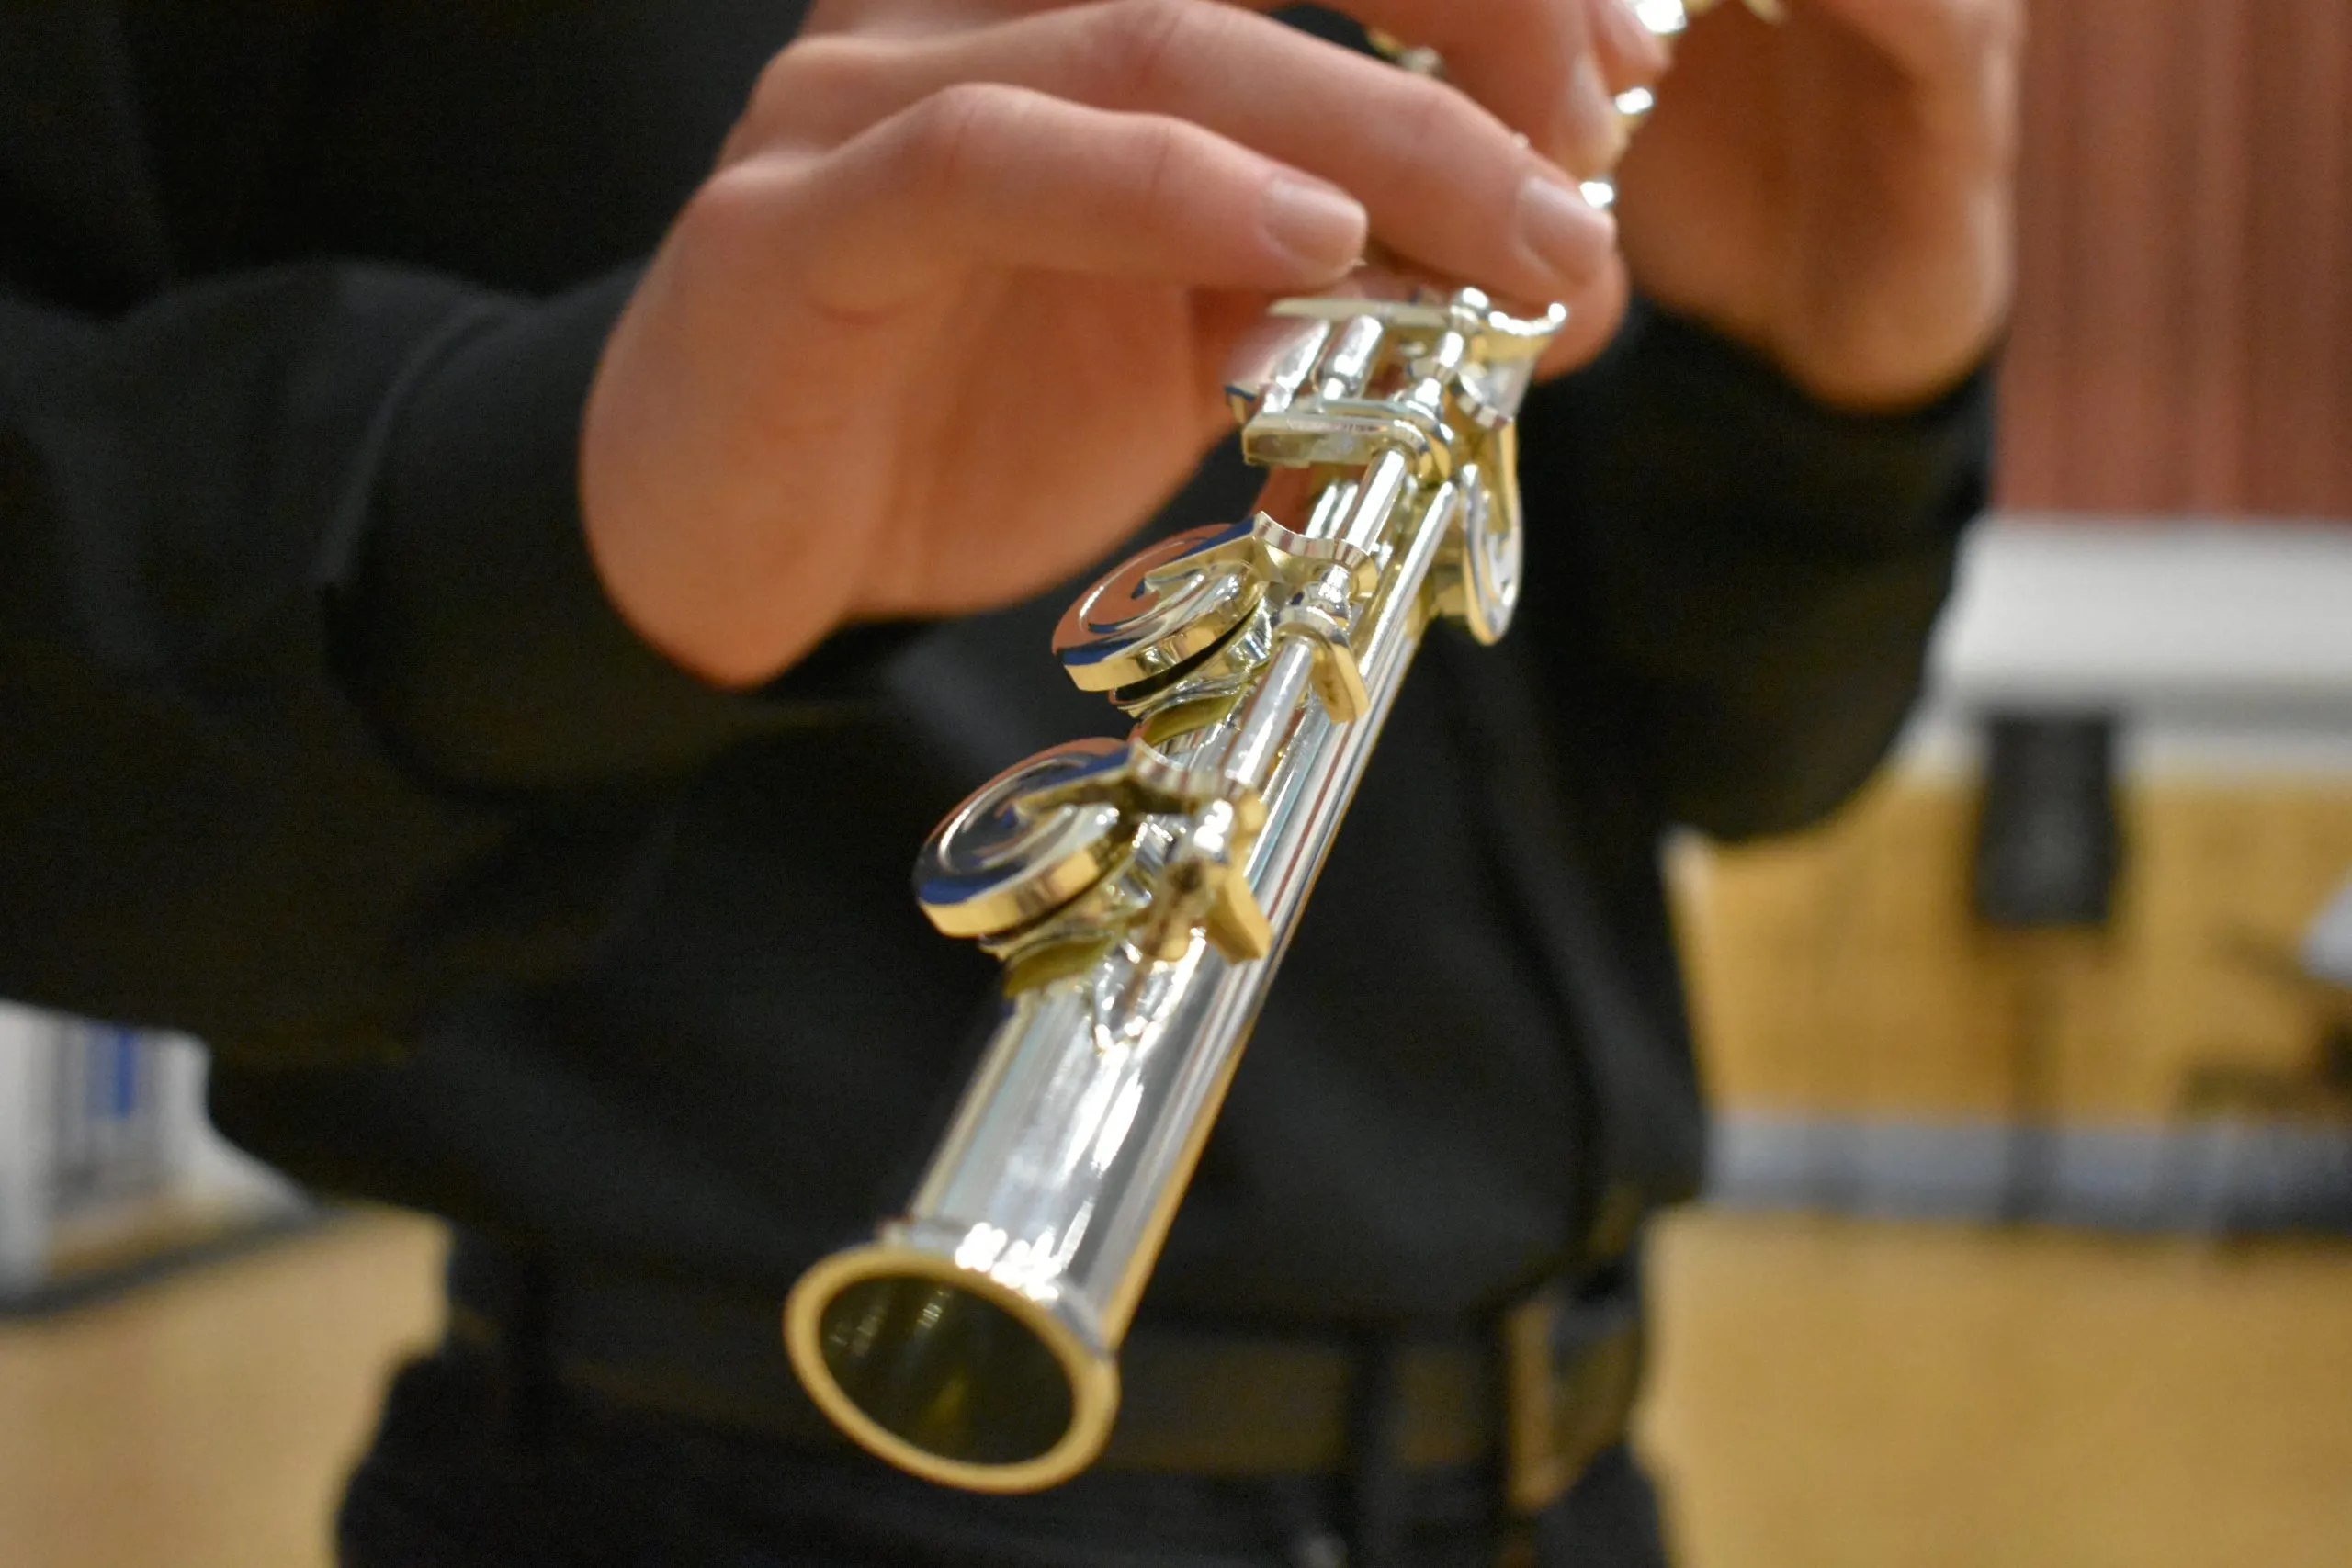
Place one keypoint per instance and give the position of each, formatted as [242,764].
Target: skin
[949,318]
[1836,191]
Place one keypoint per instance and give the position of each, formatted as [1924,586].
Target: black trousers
[468,1470]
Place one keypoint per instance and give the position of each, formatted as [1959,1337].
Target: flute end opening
[947,1373]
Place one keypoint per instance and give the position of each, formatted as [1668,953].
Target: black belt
[1540,1391]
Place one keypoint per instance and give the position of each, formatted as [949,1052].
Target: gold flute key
[1141,892]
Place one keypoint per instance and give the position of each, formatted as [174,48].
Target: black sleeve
[314,712]
[1755,574]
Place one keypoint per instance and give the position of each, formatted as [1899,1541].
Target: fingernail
[1595,132]
[1321,225]
[1640,46]
[1563,232]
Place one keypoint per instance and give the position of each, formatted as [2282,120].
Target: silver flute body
[1141,891]
[974,1339]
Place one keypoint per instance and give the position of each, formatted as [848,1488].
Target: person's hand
[950,316]
[1836,190]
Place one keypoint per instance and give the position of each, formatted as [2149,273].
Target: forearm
[1757,573]
[230,802]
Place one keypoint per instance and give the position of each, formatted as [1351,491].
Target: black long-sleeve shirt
[323,743]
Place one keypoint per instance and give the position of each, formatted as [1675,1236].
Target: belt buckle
[1571,1370]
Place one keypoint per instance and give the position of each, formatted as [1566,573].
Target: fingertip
[1640,56]
[1319,229]
[1570,240]
[1595,312]
[1591,131]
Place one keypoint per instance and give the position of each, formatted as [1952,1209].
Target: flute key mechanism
[1015,863]
[1140,891]
[1157,612]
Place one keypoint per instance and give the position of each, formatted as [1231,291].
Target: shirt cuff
[1853,483]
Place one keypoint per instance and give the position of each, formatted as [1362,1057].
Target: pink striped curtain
[2183,340]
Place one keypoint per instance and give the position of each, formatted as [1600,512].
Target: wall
[1840,971]
[2183,339]
[1870,1046]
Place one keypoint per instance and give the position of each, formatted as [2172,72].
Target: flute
[1140,891]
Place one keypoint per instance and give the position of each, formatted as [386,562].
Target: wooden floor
[1840,971]
[206,1422]
[1828,1394]
[1838,1394]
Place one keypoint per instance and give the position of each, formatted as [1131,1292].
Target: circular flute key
[1478,579]
[1000,859]
[1159,608]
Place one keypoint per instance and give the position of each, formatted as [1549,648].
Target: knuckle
[1141,45]
[774,85]
[955,129]
[1547,25]
[780,83]
[809,90]
[1430,115]
[1537,31]
[1160,152]
[825,66]
[716,217]
[733,214]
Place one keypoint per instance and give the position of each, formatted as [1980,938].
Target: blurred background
[2031,1232]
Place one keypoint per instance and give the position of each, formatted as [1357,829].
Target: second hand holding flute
[1141,892]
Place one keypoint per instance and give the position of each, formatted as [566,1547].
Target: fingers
[1928,38]
[1954,62]
[1593,319]
[1631,55]
[988,175]
[1531,62]
[1549,69]
[1447,184]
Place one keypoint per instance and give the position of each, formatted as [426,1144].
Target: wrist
[1903,344]
[474,625]
[699,558]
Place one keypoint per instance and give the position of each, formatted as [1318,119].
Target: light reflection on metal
[1128,1004]
[1141,892]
